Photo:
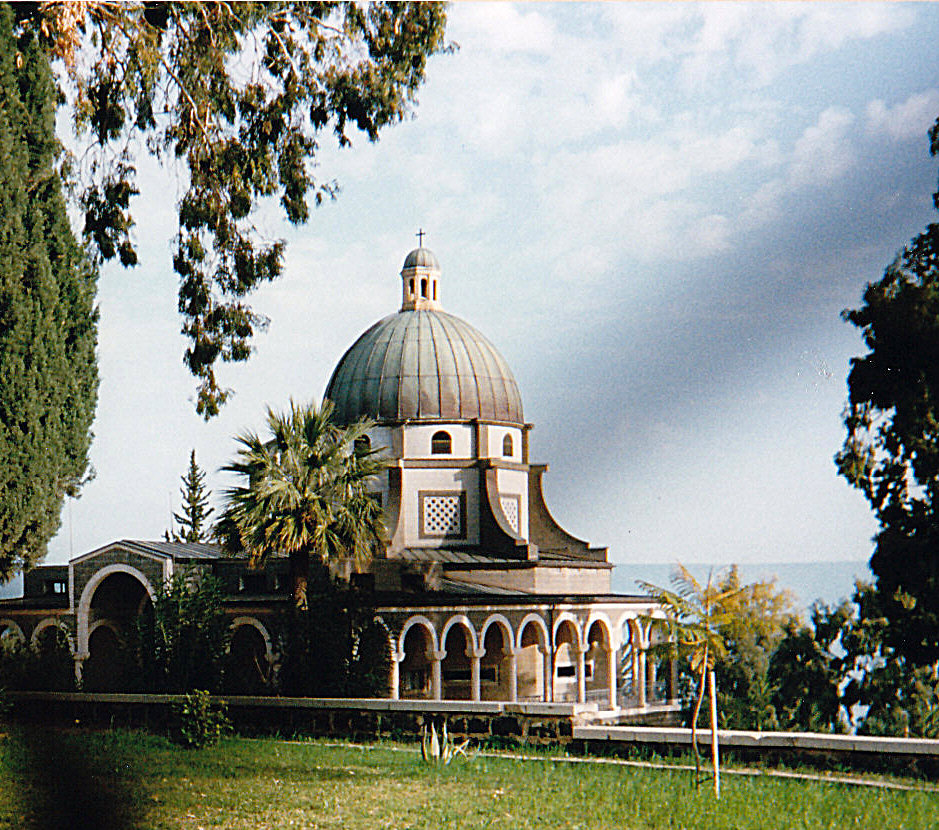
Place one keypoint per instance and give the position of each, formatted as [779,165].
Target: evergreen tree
[193,522]
[891,450]
[48,322]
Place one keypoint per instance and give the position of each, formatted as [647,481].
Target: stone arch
[568,659]
[568,620]
[84,604]
[537,624]
[49,622]
[417,648]
[458,649]
[410,622]
[250,657]
[533,659]
[255,623]
[10,632]
[600,662]
[497,662]
[502,621]
[458,619]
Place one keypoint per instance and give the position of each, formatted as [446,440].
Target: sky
[655,212]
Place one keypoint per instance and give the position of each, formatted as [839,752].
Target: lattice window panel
[443,515]
[510,508]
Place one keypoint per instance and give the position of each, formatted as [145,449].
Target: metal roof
[421,257]
[424,364]
[175,550]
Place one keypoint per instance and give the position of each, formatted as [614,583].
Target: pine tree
[193,523]
[48,322]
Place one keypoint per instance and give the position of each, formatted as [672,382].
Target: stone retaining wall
[531,723]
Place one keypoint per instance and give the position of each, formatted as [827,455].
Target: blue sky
[656,213]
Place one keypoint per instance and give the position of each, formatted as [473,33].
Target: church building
[483,594]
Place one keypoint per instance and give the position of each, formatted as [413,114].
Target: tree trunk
[715,754]
[299,577]
[694,720]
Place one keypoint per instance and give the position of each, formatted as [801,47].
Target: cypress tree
[48,321]
[194,520]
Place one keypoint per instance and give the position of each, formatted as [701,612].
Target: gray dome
[421,257]
[423,365]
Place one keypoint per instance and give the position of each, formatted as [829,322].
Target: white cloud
[504,27]
[824,151]
[908,119]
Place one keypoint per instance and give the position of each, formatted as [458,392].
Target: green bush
[198,721]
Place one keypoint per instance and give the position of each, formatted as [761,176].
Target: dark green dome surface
[427,364]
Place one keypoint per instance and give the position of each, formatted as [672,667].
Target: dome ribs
[424,365]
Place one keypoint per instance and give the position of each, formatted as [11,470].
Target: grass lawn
[126,780]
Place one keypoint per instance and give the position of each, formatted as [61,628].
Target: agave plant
[440,751]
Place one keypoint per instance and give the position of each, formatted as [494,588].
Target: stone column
[436,680]
[650,680]
[580,654]
[640,678]
[548,672]
[79,657]
[396,658]
[511,664]
[610,654]
[474,656]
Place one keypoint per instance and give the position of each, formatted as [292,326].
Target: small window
[567,671]
[55,586]
[363,444]
[424,289]
[435,290]
[411,292]
[507,447]
[441,443]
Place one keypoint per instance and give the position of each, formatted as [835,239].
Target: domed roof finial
[419,278]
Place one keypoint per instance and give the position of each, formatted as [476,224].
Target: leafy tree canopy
[891,448]
[239,95]
[48,321]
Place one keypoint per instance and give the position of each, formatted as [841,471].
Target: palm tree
[305,493]
[695,616]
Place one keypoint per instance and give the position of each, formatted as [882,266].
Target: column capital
[436,656]
[476,653]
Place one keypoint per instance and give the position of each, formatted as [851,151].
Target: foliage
[193,522]
[239,95]
[695,618]
[48,322]
[440,751]
[198,721]
[806,672]
[305,493]
[891,448]
[181,641]
[757,616]
[46,667]
[335,648]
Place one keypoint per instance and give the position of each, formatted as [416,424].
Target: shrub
[198,721]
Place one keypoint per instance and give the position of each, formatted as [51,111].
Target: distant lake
[828,581]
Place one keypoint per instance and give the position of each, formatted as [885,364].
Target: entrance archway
[107,615]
